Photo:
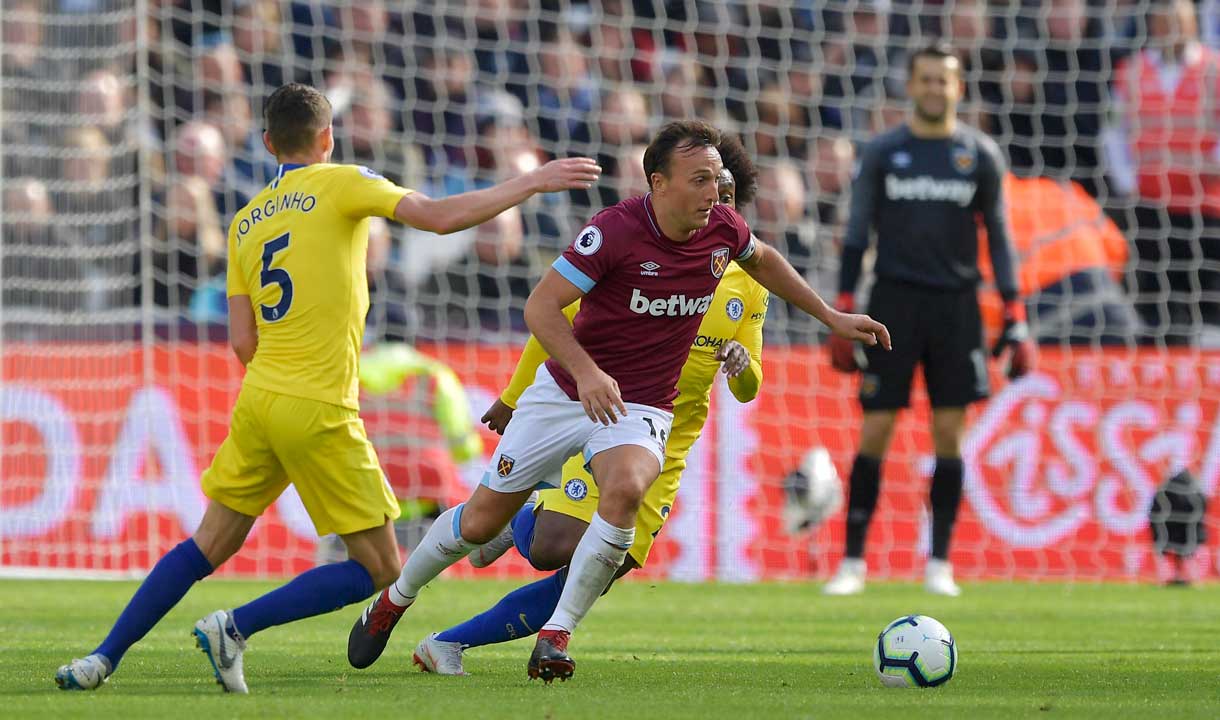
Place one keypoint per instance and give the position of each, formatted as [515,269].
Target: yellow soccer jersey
[298,250]
[737,312]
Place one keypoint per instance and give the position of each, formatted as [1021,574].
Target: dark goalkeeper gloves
[1015,336]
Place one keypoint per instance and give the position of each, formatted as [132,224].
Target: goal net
[131,134]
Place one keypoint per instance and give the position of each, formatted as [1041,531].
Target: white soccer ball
[915,651]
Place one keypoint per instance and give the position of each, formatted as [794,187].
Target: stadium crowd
[130,141]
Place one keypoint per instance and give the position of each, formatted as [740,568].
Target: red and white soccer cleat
[550,660]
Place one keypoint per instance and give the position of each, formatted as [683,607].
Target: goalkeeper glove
[1015,335]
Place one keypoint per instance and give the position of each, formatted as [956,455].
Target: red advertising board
[101,448]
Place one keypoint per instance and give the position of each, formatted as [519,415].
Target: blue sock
[523,530]
[518,614]
[314,592]
[171,577]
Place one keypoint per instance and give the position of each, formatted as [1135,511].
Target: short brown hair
[680,135]
[293,116]
[936,50]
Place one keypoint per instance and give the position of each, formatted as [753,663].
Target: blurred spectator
[505,149]
[859,61]
[391,310]
[1071,259]
[26,68]
[219,68]
[684,90]
[1058,98]
[103,101]
[622,121]
[42,270]
[258,36]
[230,112]
[499,32]
[444,103]
[188,244]
[829,177]
[626,55]
[784,29]
[373,38]
[98,205]
[564,91]
[628,179]
[366,132]
[1165,156]
[968,27]
[485,289]
[200,150]
[780,221]
[779,129]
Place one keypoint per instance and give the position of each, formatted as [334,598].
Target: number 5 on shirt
[277,276]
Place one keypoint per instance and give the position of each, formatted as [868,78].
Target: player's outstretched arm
[773,272]
[243,332]
[598,392]
[458,212]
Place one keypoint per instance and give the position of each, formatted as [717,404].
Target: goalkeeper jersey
[298,250]
[737,312]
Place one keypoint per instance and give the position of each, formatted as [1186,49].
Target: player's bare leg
[452,536]
[555,539]
[220,535]
[948,428]
[865,483]
[623,474]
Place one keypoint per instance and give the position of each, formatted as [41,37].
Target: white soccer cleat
[493,549]
[938,579]
[224,650]
[437,656]
[87,673]
[849,580]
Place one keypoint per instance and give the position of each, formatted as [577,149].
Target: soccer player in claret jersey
[298,296]
[546,533]
[647,270]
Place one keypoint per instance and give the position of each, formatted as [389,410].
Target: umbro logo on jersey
[649,268]
[901,159]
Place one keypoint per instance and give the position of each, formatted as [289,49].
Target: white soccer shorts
[548,428]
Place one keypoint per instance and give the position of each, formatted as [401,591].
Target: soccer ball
[915,651]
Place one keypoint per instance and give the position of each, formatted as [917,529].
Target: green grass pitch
[650,651]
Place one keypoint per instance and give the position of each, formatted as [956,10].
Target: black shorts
[940,329]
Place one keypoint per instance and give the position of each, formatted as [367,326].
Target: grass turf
[650,650]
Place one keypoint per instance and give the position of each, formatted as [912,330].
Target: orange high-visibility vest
[1173,134]
[1057,229]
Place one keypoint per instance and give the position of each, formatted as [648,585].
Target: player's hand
[497,416]
[600,396]
[566,174]
[734,358]
[1015,336]
[859,327]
